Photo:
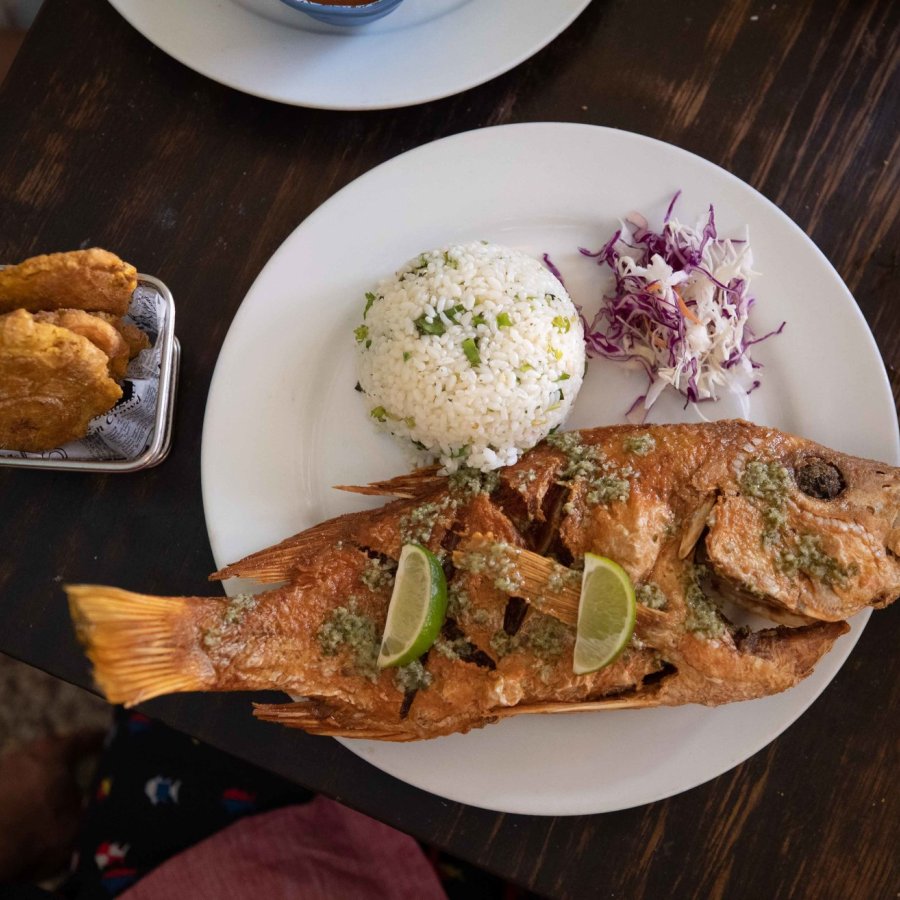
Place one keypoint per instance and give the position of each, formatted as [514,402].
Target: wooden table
[106,141]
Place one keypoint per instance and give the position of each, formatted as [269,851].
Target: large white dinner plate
[424,50]
[283,422]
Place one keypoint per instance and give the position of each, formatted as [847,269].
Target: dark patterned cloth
[158,792]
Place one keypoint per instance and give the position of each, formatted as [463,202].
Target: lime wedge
[418,607]
[606,611]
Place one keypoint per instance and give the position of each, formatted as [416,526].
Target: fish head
[808,532]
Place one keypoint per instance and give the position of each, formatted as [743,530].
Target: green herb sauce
[466,482]
[703,616]
[457,600]
[455,649]
[639,444]
[606,482]
[650,595]
[236,608]
[412,677]
[346,627]
[416,526]
[524,477]
[608,489]
[808,557]
[545,637]
[378,574]
[498,562]
[561,578]
[768,482]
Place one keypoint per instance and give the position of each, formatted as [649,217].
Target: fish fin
[697,521]
[548,586]
[280,562]
[313,718]
[633,700]
[537,573]
[796,649]
[413,484]
[138,644]
[760,605]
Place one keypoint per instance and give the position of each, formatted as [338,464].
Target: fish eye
[819,478]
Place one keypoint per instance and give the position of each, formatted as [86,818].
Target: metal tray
[161,436]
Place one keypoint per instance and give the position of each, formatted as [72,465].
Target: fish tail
[140,646]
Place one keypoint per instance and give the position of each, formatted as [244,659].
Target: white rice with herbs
[473,352]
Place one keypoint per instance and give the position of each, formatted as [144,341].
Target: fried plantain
[52,383]
[101,333]
[92,280]
[134,337]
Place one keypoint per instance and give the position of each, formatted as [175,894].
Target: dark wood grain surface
[106,141]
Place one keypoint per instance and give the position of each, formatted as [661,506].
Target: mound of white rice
[473,352]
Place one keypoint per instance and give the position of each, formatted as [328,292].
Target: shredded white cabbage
[681,307]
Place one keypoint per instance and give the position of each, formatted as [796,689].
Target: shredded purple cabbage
[679,308]
[553,270]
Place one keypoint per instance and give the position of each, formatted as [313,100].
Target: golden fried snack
[103,335]
[81,279]
[134,337]
[52,383]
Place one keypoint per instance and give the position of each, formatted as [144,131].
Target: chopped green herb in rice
[459,351]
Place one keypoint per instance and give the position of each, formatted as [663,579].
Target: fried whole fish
[803,534]
[92,280]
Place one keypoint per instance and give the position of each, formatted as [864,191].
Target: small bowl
[337,14]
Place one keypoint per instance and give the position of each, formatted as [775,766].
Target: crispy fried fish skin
[52,383]
[730,492]
[103,335]
[92,279]
[805,535]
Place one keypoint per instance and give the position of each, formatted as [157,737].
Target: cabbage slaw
[680,309]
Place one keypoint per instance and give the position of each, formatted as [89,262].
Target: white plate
[424,50]
[283,422]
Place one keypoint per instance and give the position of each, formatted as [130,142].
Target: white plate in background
[424,50]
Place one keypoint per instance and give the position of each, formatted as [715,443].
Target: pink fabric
[319,851]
